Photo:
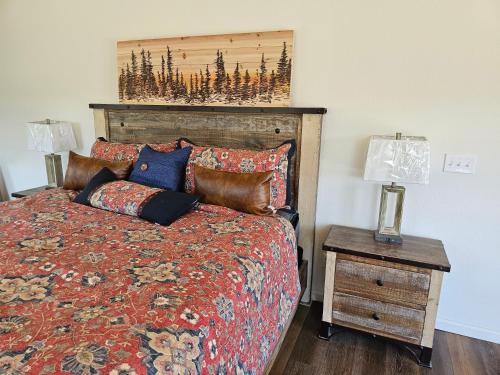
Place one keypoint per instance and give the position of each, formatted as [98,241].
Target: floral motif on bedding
[243,161]
[123,197]
[87,359]
[11,362]
[25,288]
[125,151]
[173,351]
[12,323]
[102,293]
[41,244]
[163,273]
[253,270]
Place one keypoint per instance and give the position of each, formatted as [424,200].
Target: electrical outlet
[456,163]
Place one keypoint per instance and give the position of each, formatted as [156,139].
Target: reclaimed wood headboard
[237,127]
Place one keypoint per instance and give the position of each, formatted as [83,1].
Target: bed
[87,291]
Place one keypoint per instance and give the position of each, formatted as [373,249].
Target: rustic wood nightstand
[28,192]
[383,289]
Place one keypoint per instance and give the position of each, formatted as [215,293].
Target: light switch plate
[457,163]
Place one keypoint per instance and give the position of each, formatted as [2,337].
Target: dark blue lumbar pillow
[164,170]
[167,206]
[104,176]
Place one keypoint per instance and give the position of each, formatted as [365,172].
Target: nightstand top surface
[415,251]
[28,192]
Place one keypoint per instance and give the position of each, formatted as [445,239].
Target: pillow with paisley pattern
[114,151]
[241,160]
[151,204]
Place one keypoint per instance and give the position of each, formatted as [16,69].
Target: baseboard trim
[449,326]
[468,330]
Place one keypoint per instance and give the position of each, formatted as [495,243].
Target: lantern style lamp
[397,160]
[51,137]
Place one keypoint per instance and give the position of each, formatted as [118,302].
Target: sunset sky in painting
[190,54]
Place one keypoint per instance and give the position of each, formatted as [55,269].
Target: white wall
[424,67]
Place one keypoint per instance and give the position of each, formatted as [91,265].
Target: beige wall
[424,67]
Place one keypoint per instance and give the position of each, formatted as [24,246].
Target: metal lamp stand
[53,165]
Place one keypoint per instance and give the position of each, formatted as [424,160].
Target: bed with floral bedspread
[87,291]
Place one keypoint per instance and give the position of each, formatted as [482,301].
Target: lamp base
[387,238]
[53,165]
[389,220]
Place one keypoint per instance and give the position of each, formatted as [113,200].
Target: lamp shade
[398,160]
[50,136]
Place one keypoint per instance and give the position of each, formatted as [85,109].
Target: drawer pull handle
[375,316]
[380,282]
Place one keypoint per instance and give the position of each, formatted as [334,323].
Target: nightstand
[383,289]
[28,192]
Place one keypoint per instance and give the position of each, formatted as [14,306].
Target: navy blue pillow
[166,207]
[164,170]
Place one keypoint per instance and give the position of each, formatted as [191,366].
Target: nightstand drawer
[379,318]
[376,280]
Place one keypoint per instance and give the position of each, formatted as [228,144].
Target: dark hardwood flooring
[303,352]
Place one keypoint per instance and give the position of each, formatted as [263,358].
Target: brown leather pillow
[81,169]
[246,192]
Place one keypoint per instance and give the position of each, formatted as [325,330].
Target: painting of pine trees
[232,69]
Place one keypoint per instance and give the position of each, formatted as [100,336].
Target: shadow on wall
[3,189]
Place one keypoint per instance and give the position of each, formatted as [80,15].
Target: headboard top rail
[210,108]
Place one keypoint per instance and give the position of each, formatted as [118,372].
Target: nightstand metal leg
[422,354]
[425,357]
[325,331]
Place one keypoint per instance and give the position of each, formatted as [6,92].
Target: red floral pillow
[164,147]
[125,151]
[152,204]
[123,197]
[240,160]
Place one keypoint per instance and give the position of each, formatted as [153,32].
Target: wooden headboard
[237,127]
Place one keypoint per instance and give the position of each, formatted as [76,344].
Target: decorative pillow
[81,169]
[246,192]
[102,149]
[122,197]
[152,204]
[165,170]
[167,206]
[102,177]
[164,147]
[243,161]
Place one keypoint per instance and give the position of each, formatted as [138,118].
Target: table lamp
[51,137]
[397,160]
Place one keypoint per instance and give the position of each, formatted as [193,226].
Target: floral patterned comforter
[87,291]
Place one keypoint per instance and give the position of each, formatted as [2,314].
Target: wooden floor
[303,352]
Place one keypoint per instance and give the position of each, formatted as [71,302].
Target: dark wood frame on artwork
[238,127]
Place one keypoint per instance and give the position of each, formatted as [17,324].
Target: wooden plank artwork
[227,69]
